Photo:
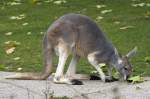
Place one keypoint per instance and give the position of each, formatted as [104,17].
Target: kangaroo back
[81,33]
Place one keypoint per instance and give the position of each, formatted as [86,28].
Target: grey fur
[79,35]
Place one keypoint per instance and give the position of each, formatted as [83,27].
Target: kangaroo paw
[76,82]
[65,80]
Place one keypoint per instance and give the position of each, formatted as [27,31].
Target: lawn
[126,23]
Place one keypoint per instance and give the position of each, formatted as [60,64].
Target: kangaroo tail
[28,76]
[48,53]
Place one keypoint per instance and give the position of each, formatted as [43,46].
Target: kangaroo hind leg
[72,66]
[63,52]
[71,72]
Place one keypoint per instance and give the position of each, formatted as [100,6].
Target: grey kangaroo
[80,36]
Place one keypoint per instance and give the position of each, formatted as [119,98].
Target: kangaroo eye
[125,68]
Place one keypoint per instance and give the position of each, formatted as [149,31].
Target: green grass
[40,16]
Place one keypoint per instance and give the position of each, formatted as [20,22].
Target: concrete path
[29,89]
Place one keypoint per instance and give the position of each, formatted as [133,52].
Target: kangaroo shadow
[94,77]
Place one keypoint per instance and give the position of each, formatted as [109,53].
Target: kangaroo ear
[116,52]
[132,53]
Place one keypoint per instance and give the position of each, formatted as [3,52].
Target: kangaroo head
[123,64]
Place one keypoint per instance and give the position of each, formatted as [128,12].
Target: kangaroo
[80,36]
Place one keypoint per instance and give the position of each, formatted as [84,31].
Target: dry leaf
[12,43]
[116,22]
[10,50]
[106,11]
[24,24]
[99,18]
[19,17]
[136,79]
[17,0]
[13,17]
[28,33]
[41,33]
[22,15]
[100,6]
[13,3]
[19,69]
[102,64]
[94,72]
[141,5]
[16,58]
[148,4]
[134,0]
[126,27]
[147,59]
[116,75]
[48,1]
[8,34]
[58,2]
